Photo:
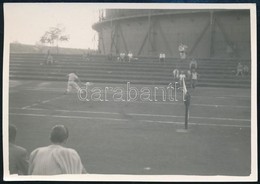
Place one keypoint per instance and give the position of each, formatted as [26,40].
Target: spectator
[110,57]
[193,64]
[161,57]
[245,70]
[182,49]
[229,50]
[49,60]
[122,56]
[239,69]
[18,158]
[182,76]
[55,158]
[130,56]
[85,57]
[194,78]
[175,73]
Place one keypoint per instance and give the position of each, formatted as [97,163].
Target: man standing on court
[18,161]
[71,82]
[194,78]
[56,159]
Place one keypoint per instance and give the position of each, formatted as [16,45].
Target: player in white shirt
[194,78]
[130,56]
[72,78]
[182,77]
[182,50]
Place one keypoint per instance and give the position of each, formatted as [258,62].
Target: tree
[54,35]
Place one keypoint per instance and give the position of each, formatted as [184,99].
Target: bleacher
[213,73]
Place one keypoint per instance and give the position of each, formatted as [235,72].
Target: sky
[26,23]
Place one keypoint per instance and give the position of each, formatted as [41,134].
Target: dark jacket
[18,160]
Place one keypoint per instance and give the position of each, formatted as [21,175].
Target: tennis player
[72,78]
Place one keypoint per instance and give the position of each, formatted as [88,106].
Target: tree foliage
[54,35]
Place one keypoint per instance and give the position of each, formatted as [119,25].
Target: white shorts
[71,85]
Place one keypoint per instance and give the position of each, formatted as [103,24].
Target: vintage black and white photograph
[129,92]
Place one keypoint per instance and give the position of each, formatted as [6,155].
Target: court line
[176,103]
[42,102]
[138,114]
[163,102]
[124,92]
[125,120]
[190,123]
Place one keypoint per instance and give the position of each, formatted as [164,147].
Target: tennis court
[140,137]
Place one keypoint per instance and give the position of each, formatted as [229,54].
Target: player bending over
[72,78]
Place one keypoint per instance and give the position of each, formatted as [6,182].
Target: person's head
[182,72]
[59,134]
[12,133]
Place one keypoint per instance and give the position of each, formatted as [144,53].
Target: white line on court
[190,123]
[159,102]
[172,103]
[138,114]
[43,102]
[125,120]
[206,105]
[124,92]
[25,107]
[181,103]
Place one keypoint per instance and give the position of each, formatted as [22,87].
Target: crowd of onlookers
[190,75]
[242,70]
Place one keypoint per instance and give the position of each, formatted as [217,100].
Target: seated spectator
[239,69]
[193,64]
[18,158]
[49,60]
[161,57]
[86,57]
[110,57]
[122,56]
[55,158]
[229,50]
[130,56]
[245,70]
[182,49]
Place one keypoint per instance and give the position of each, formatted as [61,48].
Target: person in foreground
[18,158]
[56,159]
